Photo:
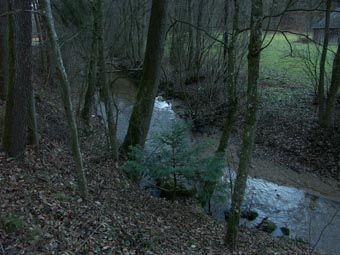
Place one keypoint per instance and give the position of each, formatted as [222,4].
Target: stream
[310,218]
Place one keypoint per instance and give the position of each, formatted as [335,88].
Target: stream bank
[41,195]
[304,212]
[264,165]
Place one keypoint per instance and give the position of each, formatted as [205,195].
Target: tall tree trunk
[226,32]
[46,47]
[92,71]
[148,87]
[20,78]
[177,50]
[3,49]
[190,47]
[198,39]
[37,23]
[333,91]
[33,136]
[231,81]
[66,96]
[255,43]
[321,84]
[106,94]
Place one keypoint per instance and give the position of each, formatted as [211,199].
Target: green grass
[280,62]
[277,62]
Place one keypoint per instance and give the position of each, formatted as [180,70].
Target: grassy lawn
[280,62]
[282,66]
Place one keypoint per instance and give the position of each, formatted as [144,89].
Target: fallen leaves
[120,219]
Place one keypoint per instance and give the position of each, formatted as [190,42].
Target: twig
[2,249]
[17,11]
[323,230]
[202,30]
[291,3]
[289,43]
[87,239]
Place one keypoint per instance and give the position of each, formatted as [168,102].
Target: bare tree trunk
[321,85]
[255,43]
[3,50]
[173,53]
[39,32]
[333,91]
[198,39]
[33,136]
[92,72]
[226,32]
[106,94]
[65,88]
[190,38]
[148,87]
[49,67]
[20,78]
[231,82]
[177,50]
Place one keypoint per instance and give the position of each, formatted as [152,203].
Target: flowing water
[310,218]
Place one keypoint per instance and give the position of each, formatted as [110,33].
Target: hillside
[43,214]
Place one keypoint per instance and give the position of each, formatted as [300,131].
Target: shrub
[175,165]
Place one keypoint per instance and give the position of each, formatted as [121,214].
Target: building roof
[335,20]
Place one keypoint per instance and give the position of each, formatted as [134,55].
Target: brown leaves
[118,219]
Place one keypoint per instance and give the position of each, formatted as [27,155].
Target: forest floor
[288,130]
[41,213]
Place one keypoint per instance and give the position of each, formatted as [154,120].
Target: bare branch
[200,29]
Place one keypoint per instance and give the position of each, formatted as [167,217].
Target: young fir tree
[174,164]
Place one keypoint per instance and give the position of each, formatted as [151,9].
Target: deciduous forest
[169,127]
